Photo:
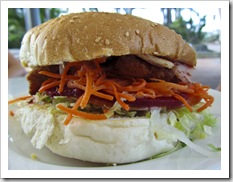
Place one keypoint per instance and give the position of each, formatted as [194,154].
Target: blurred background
[200,27]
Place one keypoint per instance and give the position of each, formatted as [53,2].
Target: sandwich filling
[135,84]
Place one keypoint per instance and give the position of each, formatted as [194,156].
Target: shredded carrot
[19,99]
[136,86]
[49,85]
[116,94]
[88,91]
[126,96]
[183,101]
[63,76]
[11,113]
[101,79]
[103,96]
[82,114]
[202,91]
[54,75]
[169,86]
[76,84]
[208,103]
[46,82]
[146,93]
[69,116]
[49,74]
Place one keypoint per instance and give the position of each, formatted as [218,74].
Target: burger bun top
[90,35]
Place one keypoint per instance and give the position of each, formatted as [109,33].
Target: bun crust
[119,140]
[90,35]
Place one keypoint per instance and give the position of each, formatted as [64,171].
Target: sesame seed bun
[90,35]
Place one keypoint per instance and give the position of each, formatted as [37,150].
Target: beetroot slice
[168,102]
[69,92]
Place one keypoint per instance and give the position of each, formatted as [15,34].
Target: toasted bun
[90,35]
[119,140]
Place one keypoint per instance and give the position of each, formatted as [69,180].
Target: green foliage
[53,13]
[16,28]
[190,32]
[16,23]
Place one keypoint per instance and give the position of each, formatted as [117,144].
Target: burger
[111,88]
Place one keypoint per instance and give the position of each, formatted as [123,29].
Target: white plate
[20,148]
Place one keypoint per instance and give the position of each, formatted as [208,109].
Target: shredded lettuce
[215,149]
[68,101]
[42,98]
[177,147]
[124,113]
[113,109]
[148,114]
[196,125]
[184,126]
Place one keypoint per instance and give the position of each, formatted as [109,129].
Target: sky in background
[212,18]
[154,14]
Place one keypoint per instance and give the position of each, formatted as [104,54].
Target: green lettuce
[183,126]
[196,125]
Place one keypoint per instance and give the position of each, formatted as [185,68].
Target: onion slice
[157,61]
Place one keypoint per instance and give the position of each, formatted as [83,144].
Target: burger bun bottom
[116,140]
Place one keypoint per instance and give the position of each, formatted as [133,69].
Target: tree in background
[126,10]
[49,13]
[190,32]
[167,15]
[16,23]
[16,27]
[187,29]
[90,9]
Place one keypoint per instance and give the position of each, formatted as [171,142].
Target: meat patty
[133,66]
[35,79]
[122,66]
